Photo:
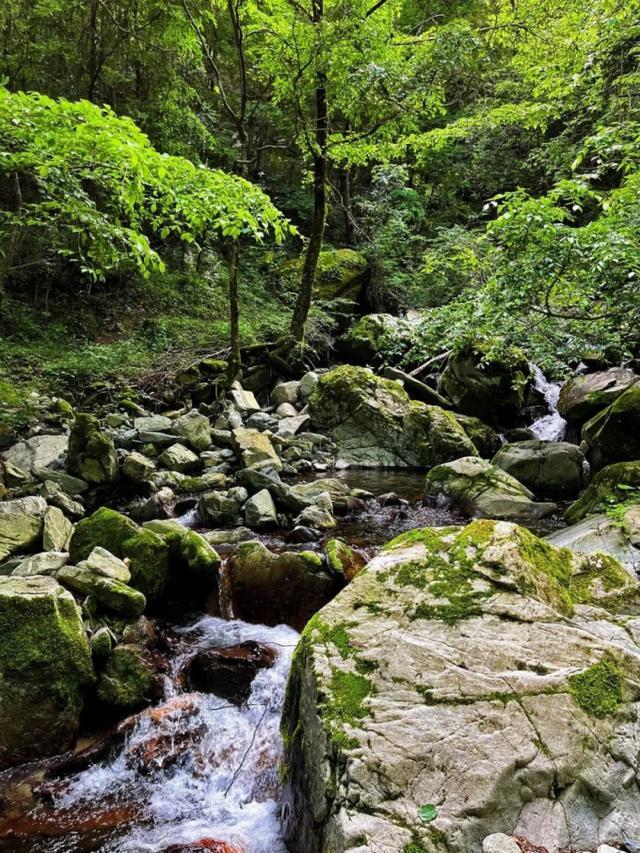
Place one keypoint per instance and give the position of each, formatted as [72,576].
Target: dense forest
[319,426]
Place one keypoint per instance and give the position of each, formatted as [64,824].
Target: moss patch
[598,690]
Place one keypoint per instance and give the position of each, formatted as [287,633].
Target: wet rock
[260,511]
[582,397]
[92,453]
[45,668]
[46,563]
[195,429]
[37,452]
[179,458]
[146,551]
[110,593]
[278,588]
[494,391]
[256,449]
[461,671]
[343,560]
[547,468]
[373,422]
[127,680]
[138,468]
[193,562]
[157,439]
[228,672]
[21,525]
[57,530]
[300,533]
[483,490]
[613,435]
[610,486]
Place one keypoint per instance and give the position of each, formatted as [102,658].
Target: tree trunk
[316,237]
[234,312]
[347,209]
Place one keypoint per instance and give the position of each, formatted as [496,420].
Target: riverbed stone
[45,668]
[343,560]
[547,468]
[112,594]
[152,423]
[606,535]
[260,511]
[147,552]
[103,562]
[483,490]
[218,508]
[138,468]
[582,397]
[92,453]
[71,485]
[45,563]
[279,588]
[127,680]
[613,435]
[195,429]
[179,458]
[244,401]
[441,695]
[493,390]
[40,451]
[21,524]
[286,392]
[57,530]
[256,449]
[374,423]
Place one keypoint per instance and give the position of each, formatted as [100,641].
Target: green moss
[609,487]
[127,680]
[345,704]
[598,690]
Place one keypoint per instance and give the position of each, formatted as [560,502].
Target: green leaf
[427,813]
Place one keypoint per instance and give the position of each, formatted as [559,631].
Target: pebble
[499,843]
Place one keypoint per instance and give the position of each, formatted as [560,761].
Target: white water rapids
[551,427]
[224,783]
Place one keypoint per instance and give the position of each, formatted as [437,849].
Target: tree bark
[347,207]
[318,222]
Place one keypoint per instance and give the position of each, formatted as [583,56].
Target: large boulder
[45,668]
[92,453]
[256,449]
[273,589]
[147,552]
[365,341]
[582,397]
[547,468]
[483,490]
[613,435]
[21,525]
[127,680]
[494,390]
[195,429]
[610,486]
[606,535]
[467,682]
[37,452]
[374,423]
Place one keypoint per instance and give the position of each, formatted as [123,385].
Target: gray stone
[286,392]
[153,423]
[602,534]
[159,439]
[291,426]
[179,458]
[102,562]
[195,429]
[256,449]
[286,410]
[46,563]
[138,468]
[244,401]
[582,397]
[260,511]
[308,383]
[39,451]
[71,485]
[499,843]
[547,468]
[314,516]
[57,530]
[21,524]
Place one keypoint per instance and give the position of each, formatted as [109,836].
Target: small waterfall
[551,427]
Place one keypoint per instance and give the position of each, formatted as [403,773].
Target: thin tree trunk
[318,222]
[234,311]
[347,207]
[92,69]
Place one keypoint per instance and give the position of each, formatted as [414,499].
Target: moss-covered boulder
[342,274]
[127,680]
[343,560]
[613,435]
[374,423]
[547,468]
[365,341]
[92,453]
[21,525]
[193,562]
[494,390]
[273,589]
[148,553]
[109,593]
[446,690]
[582,397]
[483,490]
[45,668]
[485,439]
[613,485]
[195,429]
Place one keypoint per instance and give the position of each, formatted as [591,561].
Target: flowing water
[550,427]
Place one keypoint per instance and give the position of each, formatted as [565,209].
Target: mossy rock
[92,453]
[494,390]
[341,274]
[343,560]
[611,486]
[485,439]
[127,681]
[45,668]
[582,397]
[364,343]
[613,435]
[374,423]
[148,553]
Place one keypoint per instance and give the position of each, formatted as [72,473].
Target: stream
[196,772]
